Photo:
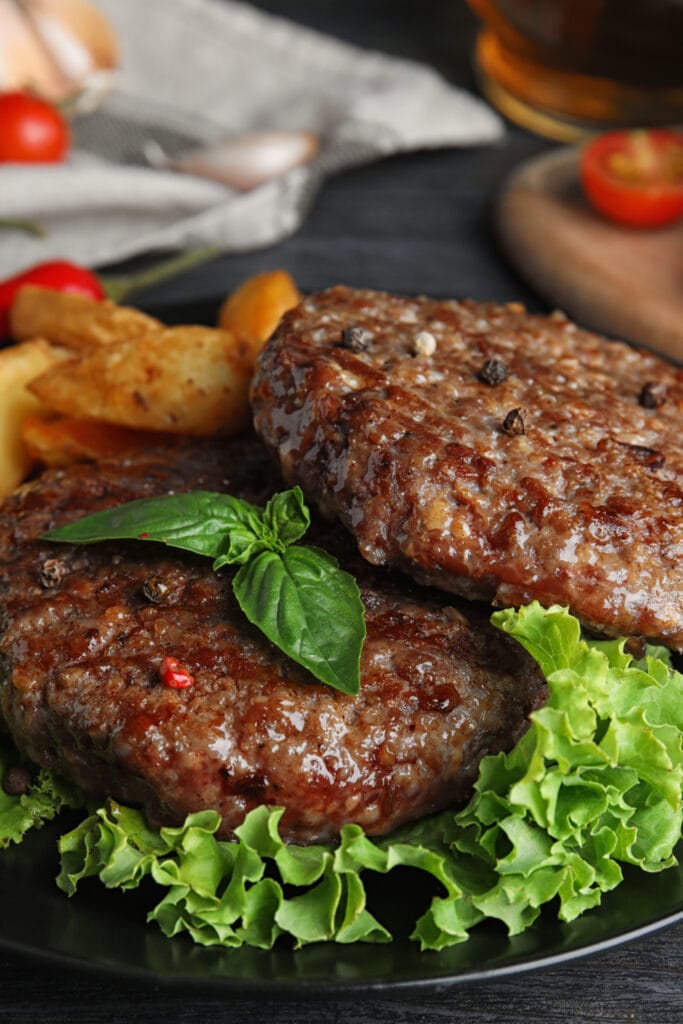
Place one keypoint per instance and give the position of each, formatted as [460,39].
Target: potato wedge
[184,380]
[253,311]
[74,320]
[62,441]
[19,364]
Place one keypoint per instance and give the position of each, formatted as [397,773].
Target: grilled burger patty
[86,629]
[486,451]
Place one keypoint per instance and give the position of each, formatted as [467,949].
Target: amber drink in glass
[567,67]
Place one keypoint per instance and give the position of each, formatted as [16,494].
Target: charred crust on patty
[649,457]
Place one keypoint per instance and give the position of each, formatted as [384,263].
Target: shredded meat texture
[84,631]
[486,451]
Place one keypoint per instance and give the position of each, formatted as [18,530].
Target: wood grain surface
[625,282]
[417,223]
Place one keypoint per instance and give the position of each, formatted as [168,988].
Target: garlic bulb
[247,161]
[59,49]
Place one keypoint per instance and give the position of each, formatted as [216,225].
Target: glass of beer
[564,68]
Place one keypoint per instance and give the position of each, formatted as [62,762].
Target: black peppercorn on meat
[486,451]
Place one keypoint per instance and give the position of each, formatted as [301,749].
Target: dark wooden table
[417,223]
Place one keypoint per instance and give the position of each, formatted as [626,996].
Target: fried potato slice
[62,441]
[19,364]
[184,380]
[75,320]
[253,311]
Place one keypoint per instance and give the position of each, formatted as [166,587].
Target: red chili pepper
[174,674]
[59,275]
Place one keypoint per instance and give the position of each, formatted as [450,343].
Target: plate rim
[334,988]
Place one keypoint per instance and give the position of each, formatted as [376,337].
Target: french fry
[184,380]
[119,380]
[253,311]
[19,364]
[62,441]
[74,320]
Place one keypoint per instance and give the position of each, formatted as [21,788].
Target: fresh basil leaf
[243,545]
[293,594]
[200,521]
[286,516]
[284,520]
[310,608]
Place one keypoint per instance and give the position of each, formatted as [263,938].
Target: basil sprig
[297,596]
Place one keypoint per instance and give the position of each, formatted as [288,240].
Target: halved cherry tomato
[31,130]
[635,177]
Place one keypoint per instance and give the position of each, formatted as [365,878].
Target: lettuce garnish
[593,784]
[44,799]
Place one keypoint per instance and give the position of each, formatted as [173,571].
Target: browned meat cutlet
[86,629]
[486,451]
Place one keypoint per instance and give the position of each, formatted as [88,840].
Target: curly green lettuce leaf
[226,893]
[43,800]
[593,784]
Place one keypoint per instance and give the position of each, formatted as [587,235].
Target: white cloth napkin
[202,70]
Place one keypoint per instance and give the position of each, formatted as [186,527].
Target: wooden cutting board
[624,282]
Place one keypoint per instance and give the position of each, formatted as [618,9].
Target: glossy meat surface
[488,452]
[86,629]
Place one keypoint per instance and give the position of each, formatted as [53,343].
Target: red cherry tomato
[59,275]
[635,177]
[31,130]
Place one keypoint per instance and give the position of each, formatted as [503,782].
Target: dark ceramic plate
[106,931]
